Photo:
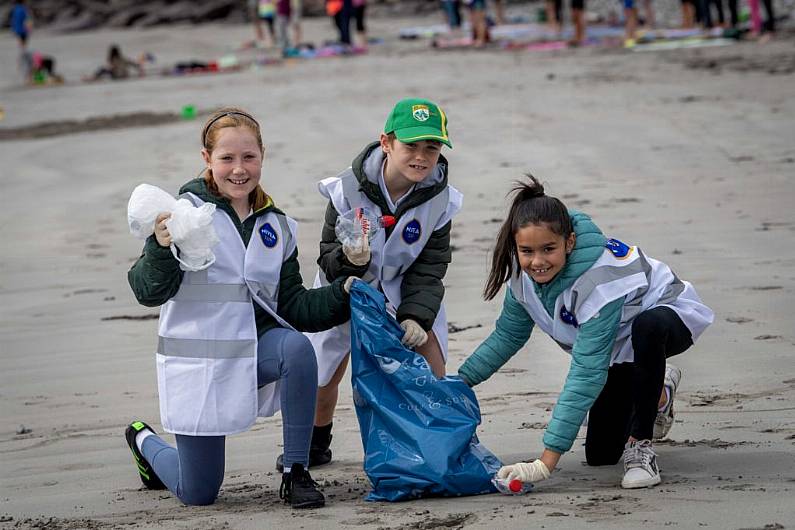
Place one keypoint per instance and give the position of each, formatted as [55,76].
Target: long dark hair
[530,206]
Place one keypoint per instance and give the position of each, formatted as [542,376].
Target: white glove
[414,334]
[358,253]
[348,282]
[535,471]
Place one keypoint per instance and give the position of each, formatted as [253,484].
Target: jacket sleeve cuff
[425,323]
[337,287]
[556,443]
[468,379]
[154,250]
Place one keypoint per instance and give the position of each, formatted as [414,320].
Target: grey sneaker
[665,417]
[640,465]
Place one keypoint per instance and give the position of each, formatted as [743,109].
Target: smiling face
[235,163]
[410,163]
[542,253]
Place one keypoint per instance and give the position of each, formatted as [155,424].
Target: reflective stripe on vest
[586,284]
[213,293]
[205,349]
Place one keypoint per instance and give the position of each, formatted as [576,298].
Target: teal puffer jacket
[590,356]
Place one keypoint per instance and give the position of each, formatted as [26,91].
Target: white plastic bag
[146,202]
[191,230]
[190,227]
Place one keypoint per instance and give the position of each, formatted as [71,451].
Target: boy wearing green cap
[403,175]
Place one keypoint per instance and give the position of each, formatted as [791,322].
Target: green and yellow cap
[415,119]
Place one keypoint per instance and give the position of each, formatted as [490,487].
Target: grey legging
[195,469]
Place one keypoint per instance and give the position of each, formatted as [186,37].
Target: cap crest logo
[420,112]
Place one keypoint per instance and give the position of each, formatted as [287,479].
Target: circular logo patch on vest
[412,232]
[619,249]
[268,235]
[567,317]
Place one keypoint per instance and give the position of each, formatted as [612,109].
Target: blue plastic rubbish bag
[418,432]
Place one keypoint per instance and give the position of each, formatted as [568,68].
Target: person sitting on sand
[117,66]
[618,312]
[229,341]
[39,68]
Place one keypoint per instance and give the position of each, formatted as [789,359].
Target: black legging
[343,21]
[708,22]
[627,405]
[770,22]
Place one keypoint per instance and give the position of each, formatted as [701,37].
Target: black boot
[300,490]
[319,448]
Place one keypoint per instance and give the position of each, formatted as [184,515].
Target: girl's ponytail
[530,206]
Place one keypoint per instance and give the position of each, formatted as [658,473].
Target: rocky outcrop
[76,15]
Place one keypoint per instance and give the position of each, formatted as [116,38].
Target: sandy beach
[687,153]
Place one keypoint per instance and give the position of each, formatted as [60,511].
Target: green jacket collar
[199,188]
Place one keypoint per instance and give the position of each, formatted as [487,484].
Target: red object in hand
[385,221]
[515,485]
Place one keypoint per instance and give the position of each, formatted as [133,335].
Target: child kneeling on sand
[402,175]
[229,341]
[618,312]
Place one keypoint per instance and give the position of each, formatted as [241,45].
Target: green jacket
[156,277]
[422,290]
[590,356]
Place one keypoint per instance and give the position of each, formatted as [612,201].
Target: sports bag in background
[418,432]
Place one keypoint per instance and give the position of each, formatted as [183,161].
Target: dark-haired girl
[618,312]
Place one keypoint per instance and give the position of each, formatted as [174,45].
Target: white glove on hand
[414,334]
[358,253]
[347,285]
[535,471]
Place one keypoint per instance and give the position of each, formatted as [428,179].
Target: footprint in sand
[768,337]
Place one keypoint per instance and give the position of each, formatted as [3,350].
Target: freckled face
[236,163]
[542,253]
[412,162]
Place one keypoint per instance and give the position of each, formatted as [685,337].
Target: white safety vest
[621,270]
[409,236]
[207,337]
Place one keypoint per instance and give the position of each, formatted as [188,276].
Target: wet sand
[687,153]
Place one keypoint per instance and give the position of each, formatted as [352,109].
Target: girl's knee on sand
[199,494]
[601,457]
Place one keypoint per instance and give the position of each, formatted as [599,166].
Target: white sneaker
[640,465]
[665,417]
